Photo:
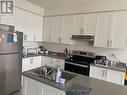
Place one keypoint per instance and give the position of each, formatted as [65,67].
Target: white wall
[86,46]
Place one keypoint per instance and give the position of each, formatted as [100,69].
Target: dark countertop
[121,67]
[99,87]
[48,55]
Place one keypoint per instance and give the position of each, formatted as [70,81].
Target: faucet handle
[44,70]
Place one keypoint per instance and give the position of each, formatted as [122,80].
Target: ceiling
[55,4]
[57,7]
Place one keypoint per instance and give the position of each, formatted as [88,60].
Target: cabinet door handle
[82,31]
[103,73]
[59,39]
[25,37]
[110,43]
[34,38]
[50,39]
[58,61]
[31,61]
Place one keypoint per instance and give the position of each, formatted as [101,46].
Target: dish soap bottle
[66,52]
[58,75]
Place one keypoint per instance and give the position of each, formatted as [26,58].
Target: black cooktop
[79,61]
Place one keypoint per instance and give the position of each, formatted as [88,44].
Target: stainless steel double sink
[51,72]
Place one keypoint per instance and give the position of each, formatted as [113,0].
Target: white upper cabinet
[47,29]
[20,20]
[102,29]
[84,24]
[38,27]
[52,29]
[30,24]
[67,29]
[111,30]
[7,19]
[56,29]
[118,38]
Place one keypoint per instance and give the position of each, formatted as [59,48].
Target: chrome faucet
[44,70]
[45,73]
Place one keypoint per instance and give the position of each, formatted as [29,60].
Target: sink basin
[50,76]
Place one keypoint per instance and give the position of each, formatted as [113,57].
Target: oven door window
[77,69]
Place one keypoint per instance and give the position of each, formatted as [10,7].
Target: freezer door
[10,73]
[6,42]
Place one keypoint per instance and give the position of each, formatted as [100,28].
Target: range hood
[83,37]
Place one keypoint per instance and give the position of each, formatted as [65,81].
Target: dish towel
[76,89]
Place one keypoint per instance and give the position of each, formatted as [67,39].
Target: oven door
[77,68]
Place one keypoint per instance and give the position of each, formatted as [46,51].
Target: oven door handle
[76,64]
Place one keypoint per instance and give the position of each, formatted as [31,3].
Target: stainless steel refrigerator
[10,61]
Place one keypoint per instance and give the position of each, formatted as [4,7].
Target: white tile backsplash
[80,45]
[86,46]
[31,44]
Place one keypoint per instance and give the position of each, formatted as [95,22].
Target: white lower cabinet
[31,63]
[113,76]
[58,62]
[46,61]
[53,62]
[96,72]
[32,87]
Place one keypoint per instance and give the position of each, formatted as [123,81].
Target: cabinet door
[67,29]
[115,77]
[30,26]
[118,38]
[49,90]
[7,19]
[36,62]
[38,27]
[29,86]
[46,61]
[56,29]
[89,24]
[26,64]
[79,25]
[39,88]
[47,29]
[85,24]
[102,30]
[20,20]
[97,72]
[58,62]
